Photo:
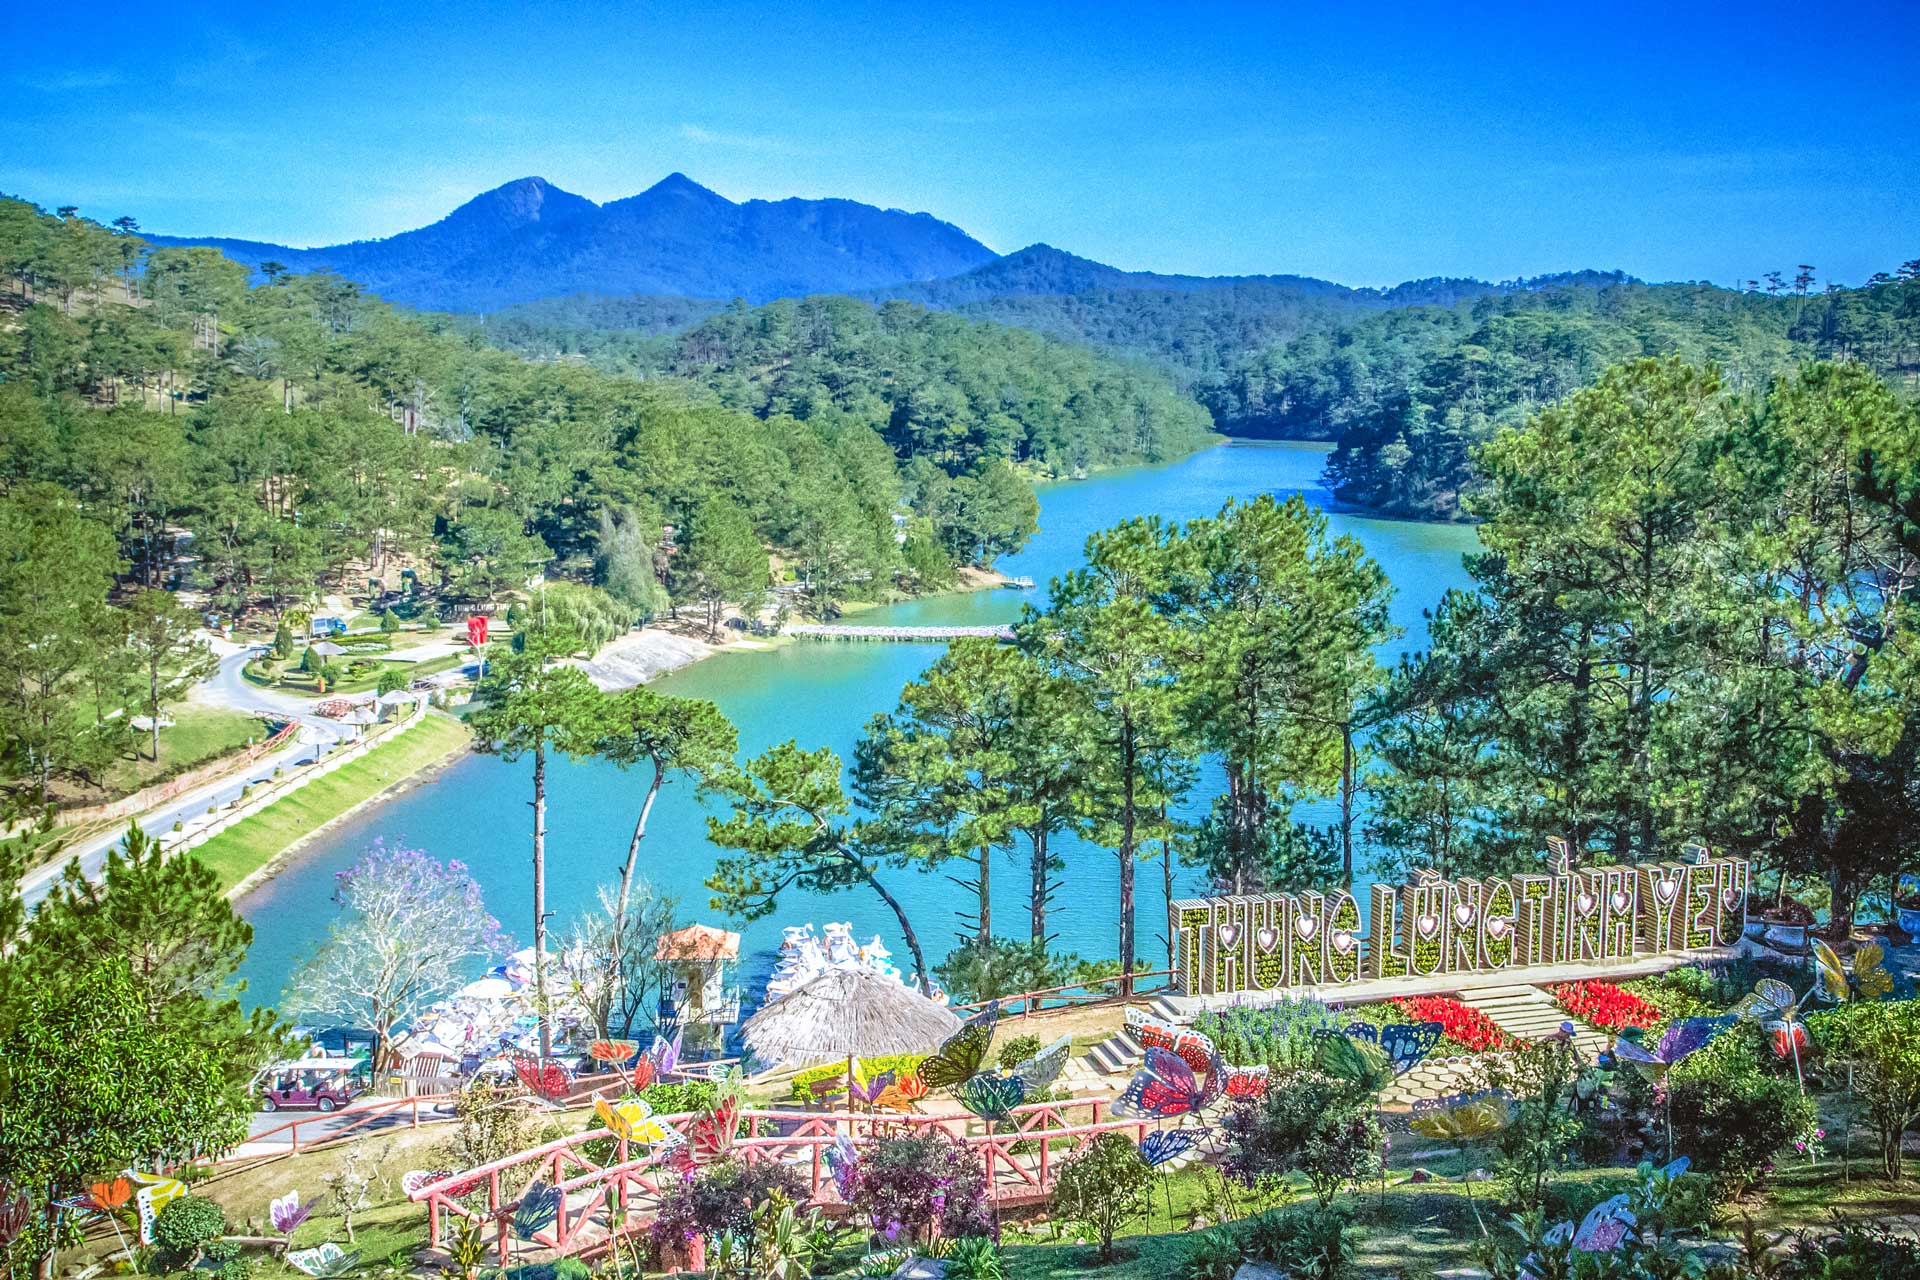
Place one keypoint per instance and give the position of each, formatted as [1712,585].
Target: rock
[1461,1273]
[1251,1270]
[921,1269]
[1420,1175]
[1478,1175]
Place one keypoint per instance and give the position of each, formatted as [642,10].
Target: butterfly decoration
[711,1134]
[110,1195]
[324,1261]
[414,1179]
[903,1095]
[1772,1004]
[632,1119]
[1357,1061]
[1247,1082]
[1608,1224]
[1162,1145]
[991,1096]
[16,1211]
[1869,973]
[1463,1117]
[843,1162]
[613,1052]
[546,1078]
[664,1056]
[155,1193]
[1195,1049]
[1681,1038]
[1166,1087]
[867,1090]
[1405,1044]
[286,1212]
[961,1054]
[539,1207]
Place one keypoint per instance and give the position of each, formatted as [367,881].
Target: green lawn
[294,680]
[243,849]
[197,735]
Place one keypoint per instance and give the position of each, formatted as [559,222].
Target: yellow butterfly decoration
[630,1118]
[1463,1119]
[1869,973]
[156,1192]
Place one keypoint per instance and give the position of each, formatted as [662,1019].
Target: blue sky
[1687,141]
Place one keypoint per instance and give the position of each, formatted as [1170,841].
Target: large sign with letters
[1429,926]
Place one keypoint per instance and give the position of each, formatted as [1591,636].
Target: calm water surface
[821,694]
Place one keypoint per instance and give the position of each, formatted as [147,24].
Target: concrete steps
[1529,1013]
[1121,1053]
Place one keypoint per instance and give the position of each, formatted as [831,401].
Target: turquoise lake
[821,694]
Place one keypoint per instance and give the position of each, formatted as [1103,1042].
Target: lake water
[821,694]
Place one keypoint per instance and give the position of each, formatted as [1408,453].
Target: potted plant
[1783,922]
[1906,906]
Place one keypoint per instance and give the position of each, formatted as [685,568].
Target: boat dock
[907,635]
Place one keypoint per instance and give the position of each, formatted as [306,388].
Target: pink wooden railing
[630,1186]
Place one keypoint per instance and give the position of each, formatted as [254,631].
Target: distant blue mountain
[529,240]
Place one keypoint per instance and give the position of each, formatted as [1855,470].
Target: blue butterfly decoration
[538,1209]
[1163,1145]
[1404,1043]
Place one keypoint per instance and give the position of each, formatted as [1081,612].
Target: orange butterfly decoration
[902,1095]
[111,1195]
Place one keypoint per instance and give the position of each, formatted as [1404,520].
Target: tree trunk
[1128,819]
[985,933]
[906,927]
[1346,802]
[626,873]
[153,705]
[540,897]
[1037,893]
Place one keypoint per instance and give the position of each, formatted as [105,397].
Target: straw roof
[698,942]
[326,648]
[854,1011]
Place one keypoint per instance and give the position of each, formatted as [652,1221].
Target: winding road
[227,687]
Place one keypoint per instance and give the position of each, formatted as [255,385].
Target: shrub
[904,1185]
[1212,1255]
[1103,1185]
[1542,1079]
[974,1258]
[801,1088]
[721,1199]
[392,680]
[1307,1122]
[1304,1242]
[389,621]
[1735,1120]
[1018,1050]
[1882,1040]
[1605,1005]
[184,1227]
[1279,1035]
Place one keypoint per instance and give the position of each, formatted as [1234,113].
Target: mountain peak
[515,204]
[679,184]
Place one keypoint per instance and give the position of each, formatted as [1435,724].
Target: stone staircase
[1120,1054]
[1529,1013]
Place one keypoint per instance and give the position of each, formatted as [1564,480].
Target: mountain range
[529,239]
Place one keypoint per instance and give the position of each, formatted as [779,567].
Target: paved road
[226,688]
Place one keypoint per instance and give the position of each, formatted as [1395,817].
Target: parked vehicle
[311,1084]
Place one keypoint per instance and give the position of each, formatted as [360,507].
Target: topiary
[184,1227]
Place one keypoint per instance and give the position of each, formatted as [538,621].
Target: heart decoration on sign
[1731,897]
[1342,941]
[1266,937]
[1665,889]
[1621,900]
[1228,934]
[1584,904]
[1497,927]
[1427,925]
[1462,914]
[1306,927]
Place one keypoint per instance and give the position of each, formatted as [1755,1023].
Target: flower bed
[1464,1025]
[801,1090]
[1606,1006]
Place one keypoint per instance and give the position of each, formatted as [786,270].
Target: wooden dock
[903,635]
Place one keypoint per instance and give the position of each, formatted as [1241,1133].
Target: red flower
[1606,1006]
[1461,1023]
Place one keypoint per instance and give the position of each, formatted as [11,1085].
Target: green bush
[1305,1242]
[235,1268]
[1734,1120]
[1212,1255]
[1018,1050]
[973,1258]
[1102,1185]
[389,621]
[186,1225]
[1308,1122]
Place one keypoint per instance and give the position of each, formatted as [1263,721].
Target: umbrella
[846,1013]
[487,989]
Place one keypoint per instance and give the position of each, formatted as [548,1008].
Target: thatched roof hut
[853,1012]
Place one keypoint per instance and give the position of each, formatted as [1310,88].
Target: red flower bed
[1605,1005]
[1462,1023]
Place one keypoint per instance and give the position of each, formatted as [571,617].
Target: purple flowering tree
[411,926]
[906,1185]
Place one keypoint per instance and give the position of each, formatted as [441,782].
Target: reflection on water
[821,694]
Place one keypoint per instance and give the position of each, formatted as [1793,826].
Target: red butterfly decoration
[1193,1048]
[1167,1087]
[548,1079]
[711,1134]
[1246,1082]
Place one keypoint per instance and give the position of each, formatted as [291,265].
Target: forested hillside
[1407,395]
[165,424]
